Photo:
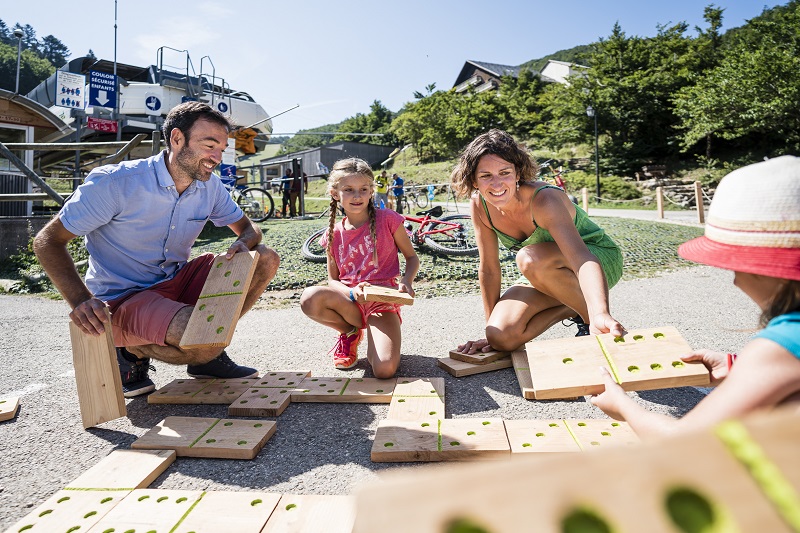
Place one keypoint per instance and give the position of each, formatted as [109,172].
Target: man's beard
[189,163]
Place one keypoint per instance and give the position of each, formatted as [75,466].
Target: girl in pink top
[362,250]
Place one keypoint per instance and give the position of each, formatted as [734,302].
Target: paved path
[318,448]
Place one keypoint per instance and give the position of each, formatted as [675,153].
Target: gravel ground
[318,448]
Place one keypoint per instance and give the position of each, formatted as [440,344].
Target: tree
[54,51]
[90,54]
[378,121]
[33,69]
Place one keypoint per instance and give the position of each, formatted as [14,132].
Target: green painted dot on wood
[656,366]
[161,499]
[605,433]
[255,502]
[633,369]
[219,264]
[291,506]
[540,434]
[388,444]
[658,335]
[210,318]
[242,442]
[470,432]
[526,445]
[273,402]
[455,443]
[638,337]
[45,512]
[584,521]
[553,425]
[619,339]
[237,283]
[228,424]
[432,413]
[379,390]
[485,422]
[180,500]
[581,424]
[401,400]
[425,424]
[677,364]
[615,424]
[106,500]
[220,330]
[567,361]
[227,274]
[257,425]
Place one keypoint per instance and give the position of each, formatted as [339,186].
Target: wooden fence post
[660,202]
[698,194]
[585,197]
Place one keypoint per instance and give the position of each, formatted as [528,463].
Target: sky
[334,59]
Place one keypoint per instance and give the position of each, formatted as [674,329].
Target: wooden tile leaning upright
[220,303]
[97,375]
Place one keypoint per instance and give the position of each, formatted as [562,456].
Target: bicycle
[449,235]
[419,197]
[557,179]
[256,202]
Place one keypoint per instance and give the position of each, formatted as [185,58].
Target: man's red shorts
[143,317]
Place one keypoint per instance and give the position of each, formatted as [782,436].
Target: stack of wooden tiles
[641,360]
[460,364]
[217,310]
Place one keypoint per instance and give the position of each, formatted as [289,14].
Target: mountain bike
[419,197]
[449,235]
[256,202]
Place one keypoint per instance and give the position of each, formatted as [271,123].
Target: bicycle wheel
[256,203]
[421,200]
[312,250]
[458,241]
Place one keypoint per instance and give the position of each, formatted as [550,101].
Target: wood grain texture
[217,311]
[8,408]
[534,436]
[229,512]
[522,369]
[565,368]
[480,358]
[312,513]
[200,391]
[594,433]
[459,369]
[97,375]
[149,510]
[208,437]
[374,293]
[647,359]
[125,469]
[69,509]
[416,408]
[284,378]
[261,401]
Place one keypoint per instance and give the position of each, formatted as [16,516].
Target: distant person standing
[399,191]
[286,187]
[382,191]
[294,193]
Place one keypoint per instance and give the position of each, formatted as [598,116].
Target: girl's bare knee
[504,340]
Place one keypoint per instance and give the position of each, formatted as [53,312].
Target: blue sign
[223,107]
[152,103]
[102,89]
[430,192]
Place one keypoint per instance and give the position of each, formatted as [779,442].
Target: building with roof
[482,76]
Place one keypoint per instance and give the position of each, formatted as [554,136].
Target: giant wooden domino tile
[262,401]
[417,399]
[148,510]
[97,375]
[290,378]
[8,408]
[479,358]
[217,310]
[208,437]
[69,510]
[460,368]
[527,436]
[125,469]
[228,512]
[648,359]
[201,391]
[374,293]
[301,513]
[344,390]
[522,369]
[688,482]
[443,440]
[562,368]
[594,433]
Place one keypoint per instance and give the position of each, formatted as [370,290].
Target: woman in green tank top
[568,262]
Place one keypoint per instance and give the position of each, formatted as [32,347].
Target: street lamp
[18,33]
[591,113]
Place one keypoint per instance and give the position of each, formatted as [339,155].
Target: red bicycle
[449,235]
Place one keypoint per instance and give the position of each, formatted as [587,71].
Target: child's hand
[612,400]
[358,291]
[716,363]
[471,347]
[605,323]
[406,288]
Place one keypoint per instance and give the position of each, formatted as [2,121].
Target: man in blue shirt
[140,220]
[399,191]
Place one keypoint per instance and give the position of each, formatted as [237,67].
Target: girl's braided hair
[341,169]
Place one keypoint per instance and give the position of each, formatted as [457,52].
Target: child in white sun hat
[753,229]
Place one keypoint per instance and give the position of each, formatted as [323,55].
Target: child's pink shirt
[352,251]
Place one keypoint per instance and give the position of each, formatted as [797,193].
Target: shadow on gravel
[681,399]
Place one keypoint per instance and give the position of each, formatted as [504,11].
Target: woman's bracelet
[353,298]
[731,359]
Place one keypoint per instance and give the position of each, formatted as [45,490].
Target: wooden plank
[776,434]
[148,510]
[595,433]
[374,293]
[97,375]
[208,437]
[460,368]
[428,408]
[317,389]
[654,485]
[231,512]
[68,510]
[312,513]
[534,436]
[261,401]
[125,469]
[368,390]
[290,378]
[8,408]
[217,311]
[409,386]
[646,359]
[480,358]
[200,391]
[522,369]
[565,368]
[448,440]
